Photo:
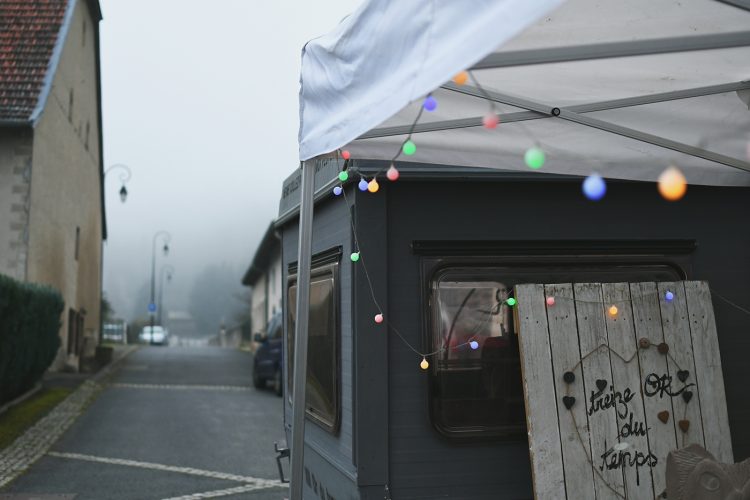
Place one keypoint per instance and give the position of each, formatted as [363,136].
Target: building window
[323,372]
[479,392]
[70,106]
[78,241]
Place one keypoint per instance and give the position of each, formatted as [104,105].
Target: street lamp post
[169,272]
[124,177]
[167,237]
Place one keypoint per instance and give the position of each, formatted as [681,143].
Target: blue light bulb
[362,185]
[594,187]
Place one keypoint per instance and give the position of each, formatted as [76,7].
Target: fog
[200,101]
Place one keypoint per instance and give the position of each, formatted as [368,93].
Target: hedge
[29,340]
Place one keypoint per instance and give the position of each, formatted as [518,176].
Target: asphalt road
[173,422]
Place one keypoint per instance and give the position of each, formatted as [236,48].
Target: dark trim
[554,247]
[330,256]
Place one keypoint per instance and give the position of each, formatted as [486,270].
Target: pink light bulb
[550,301]
[392,173]
[490,120]
[379,318]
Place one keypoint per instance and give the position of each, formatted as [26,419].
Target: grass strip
[16,420]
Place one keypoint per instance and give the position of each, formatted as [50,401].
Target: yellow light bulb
[424,364]
[373,186]
[613,310]
[672,184]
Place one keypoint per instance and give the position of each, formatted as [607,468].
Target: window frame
[322,264]
[435,262]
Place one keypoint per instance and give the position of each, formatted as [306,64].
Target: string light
[362,184]
[511,301]
[409,148]
[392,173]
[379,318]
[669,296]
[594,187]
[461,78]
[373,186]
[345,154]
[534,158]
[474,345]
[550,301]
[337,190]
[355,256]
[424,364]
[612,310]
[672,184]
[430,103]
[490,120]
[343,176]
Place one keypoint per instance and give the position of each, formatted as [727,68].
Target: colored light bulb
[534,158]
[613,310]
[672,184]
[424,364]
[461,78]
[474,344]
[550,301]
[345,154]
[355,256]
[379,318]
[337,190]
[343,176]
[511,301]
[430,103]
[392,173]
[362,185]
[594,187]
[669,296]
[490,120]
[373,186]
[409,148]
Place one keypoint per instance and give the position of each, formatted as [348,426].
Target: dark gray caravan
[378,425]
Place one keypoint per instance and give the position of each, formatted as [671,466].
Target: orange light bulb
[672,184]
[461,78]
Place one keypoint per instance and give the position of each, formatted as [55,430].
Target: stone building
[52,221]
[264,276]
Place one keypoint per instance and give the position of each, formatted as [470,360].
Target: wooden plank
[662,435]
[608,483]
[636,460]
[709,377]
[676,328]
[538,379]
[574,431]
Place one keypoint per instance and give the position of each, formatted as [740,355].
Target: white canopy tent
[624,89]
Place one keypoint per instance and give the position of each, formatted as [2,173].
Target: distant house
[264,276]
[52,221]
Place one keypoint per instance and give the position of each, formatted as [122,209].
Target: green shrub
[29,340]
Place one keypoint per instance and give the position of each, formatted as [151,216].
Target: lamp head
[166,249]
[123,193]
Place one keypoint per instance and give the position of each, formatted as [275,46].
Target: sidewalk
[35,442]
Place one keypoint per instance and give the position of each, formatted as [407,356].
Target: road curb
[20,399]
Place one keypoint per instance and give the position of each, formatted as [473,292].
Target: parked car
[267,363]
[159,335]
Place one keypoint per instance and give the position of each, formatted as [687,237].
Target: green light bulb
[355,256]
[534,158]
[409,148]
[511,302]
[343,175]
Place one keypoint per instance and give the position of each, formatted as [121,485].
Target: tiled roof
[28,32]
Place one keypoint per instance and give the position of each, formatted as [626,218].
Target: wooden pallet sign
[616,376]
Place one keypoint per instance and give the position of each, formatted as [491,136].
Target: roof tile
[28,33]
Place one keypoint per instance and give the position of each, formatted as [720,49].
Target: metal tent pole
[300,332]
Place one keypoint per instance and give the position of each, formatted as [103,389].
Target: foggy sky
[200,100]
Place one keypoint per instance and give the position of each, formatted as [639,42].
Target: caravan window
[322,389]
[475,383]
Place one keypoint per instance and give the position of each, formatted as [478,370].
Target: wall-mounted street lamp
[124,177]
